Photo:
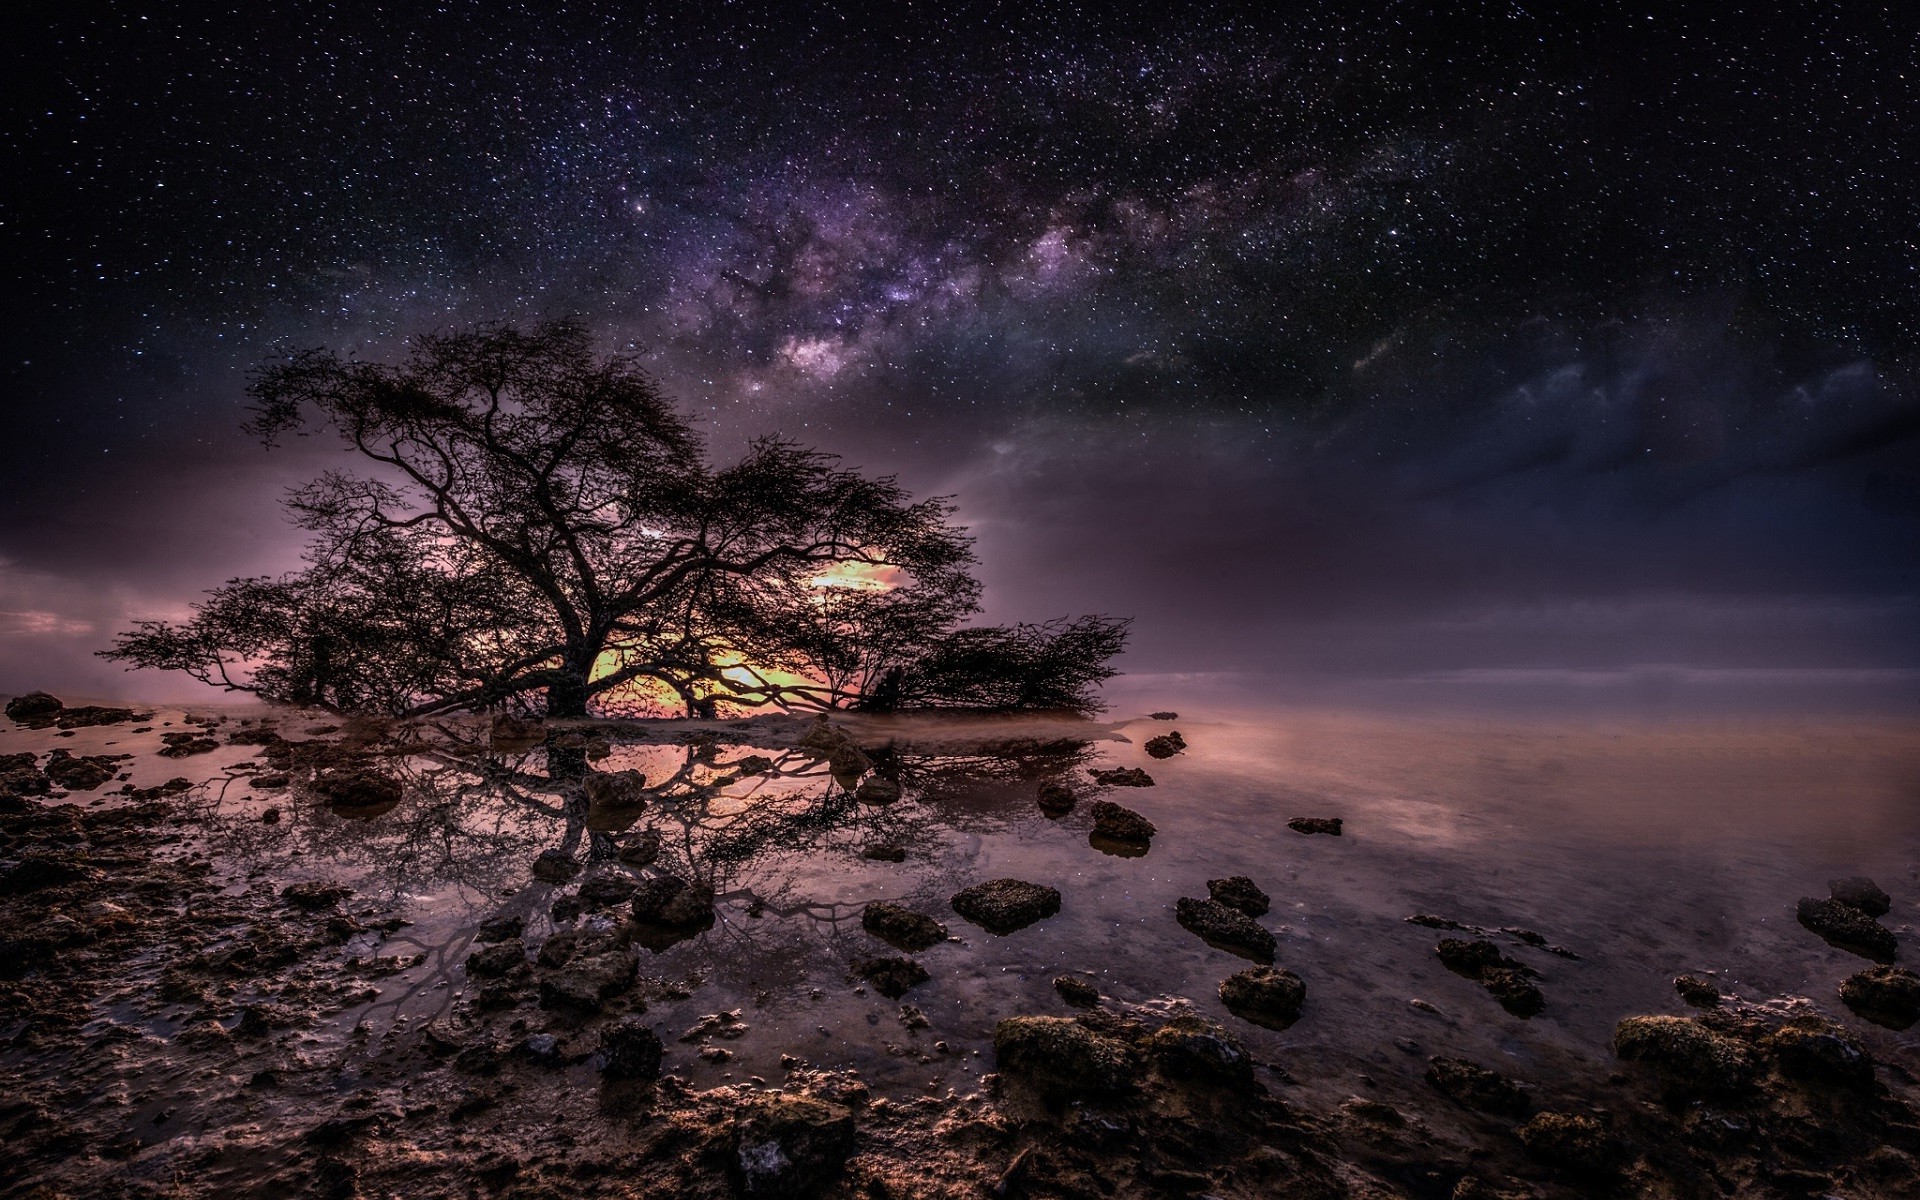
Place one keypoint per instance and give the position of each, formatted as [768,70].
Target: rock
[788,1147]
[671,901]
[641,849]
[1266,996]
[1508,981]
[185,745]
[1056,799]
[586,983]
[358,789]
[1123,777]
[877,789]
[1813,1050]
[886,852]
[1473,1086]
[752,764]
[1471,958]
[271,782]
[1888,996]
[1573,1142]
[890,975]
[849,762]
[38,869]
[1077,991]
[1188,1048]
[565,908]
[499,929]
[1848,928]
[1120,824]
[1237,891]
[503,958]
[1225,928]
[1329,825]
[824,738]
[1063,1059]
[630,1050]
[33,706]
[1862,893]
[615,789]
[1004,905]
[512,733]
[270,816]
[606,890]
[554,866]
[314,895]
[1700,993]
[901,927]
[1688,1056]
[82,774]
[1515,992]
[1166,745]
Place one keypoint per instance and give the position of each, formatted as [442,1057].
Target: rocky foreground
[173,1027]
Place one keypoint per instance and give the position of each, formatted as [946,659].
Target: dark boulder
[1516,993]
[357,790]
[1004,905]
[1812,1050]
[499,960]
[901,927]
[890,975]
[1188,1048]
[1120,824]
[1689,1057]
[1848,928]
[877,789]
[512,733]
[1063,1059]
[38,869]
[1225,928]
[314,895]
[1266,996]
[1861,893]
[641,849]
[586,983]
[1888,996]
[788,1147]
[499,929]
[1122,777]
[1165,716]
[1698,992]
[1473,1086]
[1056,799]
[606,890]
[82,774]
[1166,745]
[186,745]
[554,866]
[1328,825]
[1573,1142]
[630,1050]
[673,902]
[34,706]
[1237,891]
[1077,991]
[884,852]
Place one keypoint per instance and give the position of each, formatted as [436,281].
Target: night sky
[1331,343]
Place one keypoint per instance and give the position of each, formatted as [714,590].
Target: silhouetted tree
[541,524]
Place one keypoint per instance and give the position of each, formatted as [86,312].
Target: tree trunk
[567,696]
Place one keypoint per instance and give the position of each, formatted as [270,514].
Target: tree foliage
[539,525]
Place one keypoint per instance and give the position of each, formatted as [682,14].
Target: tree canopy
[537,525]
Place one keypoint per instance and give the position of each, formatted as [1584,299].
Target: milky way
[1345,342]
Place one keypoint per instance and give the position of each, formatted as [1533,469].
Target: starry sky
[1453,344]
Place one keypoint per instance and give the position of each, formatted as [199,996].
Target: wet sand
[1641,850]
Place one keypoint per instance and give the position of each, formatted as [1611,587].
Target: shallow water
[1647,849]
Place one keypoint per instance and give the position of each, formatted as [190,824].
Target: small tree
[541,525]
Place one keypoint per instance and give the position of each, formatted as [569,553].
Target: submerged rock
[1687,1055]
[1861,893]
[1063,1059]
[1238,891]
[1226,928]
[890,975]
[1122,777]
[877,789]
[513,733]
[641,849]
[1848,928]
[82,774]
[1166,745]
[1516,993]
[1120,824]
[1266,996]
[1077,991]
[1573,1142]
[554,866]
[314,895]
[629,1049]
[884,852]
[1328,825]
[788,1147]
[1056,799]
[1508,981]
[1165,716]
[1888,996]
[358,790]
[1188,1048]
[604,891]
[901,927]
[1005,905]
[673,902]
[615,789]
[185,745]
[1473,1086]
